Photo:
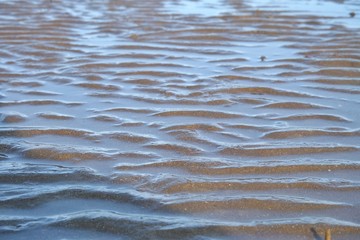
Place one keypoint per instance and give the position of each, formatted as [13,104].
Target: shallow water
[211,119]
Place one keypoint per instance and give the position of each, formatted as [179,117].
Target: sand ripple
[166,119]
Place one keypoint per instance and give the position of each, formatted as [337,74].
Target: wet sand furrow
[219,168]
[38,103]
[309,133]
[41,173]
[55,116]
[261,91]
[268,204]
[167,227]
[35,132]
[294,105]
[260,185]
[181,149]
[29,199]
[12,117]
[279,151]
[198,113]
[315,116]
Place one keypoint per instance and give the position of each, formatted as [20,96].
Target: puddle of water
[205,8]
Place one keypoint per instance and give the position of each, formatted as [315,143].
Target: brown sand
[179,119]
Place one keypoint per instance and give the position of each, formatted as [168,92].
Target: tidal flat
[179,119]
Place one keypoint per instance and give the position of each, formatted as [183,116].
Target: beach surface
[179,119]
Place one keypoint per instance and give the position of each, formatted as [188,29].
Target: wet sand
[179,119]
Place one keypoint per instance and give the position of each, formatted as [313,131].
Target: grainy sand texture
[180,119]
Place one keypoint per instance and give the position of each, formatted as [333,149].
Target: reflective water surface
[208,119]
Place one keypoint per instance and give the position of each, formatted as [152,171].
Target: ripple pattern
[166,119]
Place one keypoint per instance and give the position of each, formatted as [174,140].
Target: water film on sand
[179,119]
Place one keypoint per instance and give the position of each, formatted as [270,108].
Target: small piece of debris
[328,234]
[134,36]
